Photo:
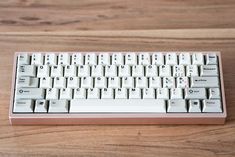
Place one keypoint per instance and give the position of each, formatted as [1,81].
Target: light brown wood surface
[121,25]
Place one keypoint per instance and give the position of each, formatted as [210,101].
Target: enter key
[205,82]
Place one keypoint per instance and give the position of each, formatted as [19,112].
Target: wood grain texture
[57,15]
[130,26]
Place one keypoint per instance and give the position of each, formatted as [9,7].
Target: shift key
[30,93]
[204,82]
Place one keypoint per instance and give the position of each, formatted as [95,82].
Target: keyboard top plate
[172,116]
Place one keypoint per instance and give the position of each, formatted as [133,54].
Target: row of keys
[119,93]
[117,59]
[118,82]
[116,106]
[113,70]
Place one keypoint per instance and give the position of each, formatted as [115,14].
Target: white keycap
[212,106]
[214,93]
[73,82]
[24,81]
[171,59]
[64,59]
[57,71]
[178,71]
[176,93]
[168,82]
[79,93]
[211,59]
[97,70]
[151,71]
[194,106]
[162,93]
[50,59]
[155,82]
[41,106]
[182,82]
[104,59]
[93,93]
[195,93]
[117,59]
[59,82]
[58,106]
[114,82]
[141,82]
[100,82]
[90,59]
[43,71]
[83,70]
[198,58]
[70,71]
[124,70]
[23,106]
[178,105]
[86,82]
[144,59]
[148,93]
[52,93]
[204,82]
[37,59]
[164,70]
[209,70]
[157,59]
[26,70]
[45,82]
[137,70]
[29,93]
[134,93]
[130,59]
[121,93]
[77,59]
[107,93]
[23,59]
[117,106]
[110,70]
[66,93]
[184,59]
[127,82]
[191,70]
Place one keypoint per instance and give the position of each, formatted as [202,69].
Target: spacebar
[117,106]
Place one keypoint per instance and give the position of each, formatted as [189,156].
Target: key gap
[141,93]
[34,105]
[144,70]
[164,59]
[131,68]
[86,93]
[124,59]
[138,59]
[110,59]
[100,94]
[148,82]
[204,59]
[68,102]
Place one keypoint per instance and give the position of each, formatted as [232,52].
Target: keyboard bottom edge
[114,121]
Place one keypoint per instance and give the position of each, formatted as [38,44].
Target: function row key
[118,59]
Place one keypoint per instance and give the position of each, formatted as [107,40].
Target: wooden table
[121,25]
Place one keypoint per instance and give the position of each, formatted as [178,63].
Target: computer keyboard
[117,88]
